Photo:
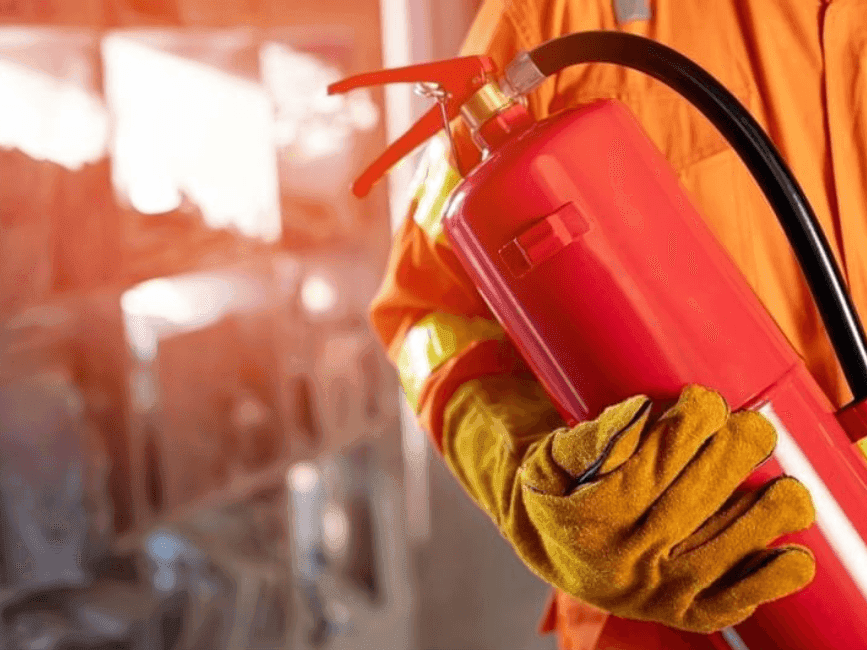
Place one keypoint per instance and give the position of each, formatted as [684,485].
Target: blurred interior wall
[183,452]
[183,13]
[415,31]
[449,22]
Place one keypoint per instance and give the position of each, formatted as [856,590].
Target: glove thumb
[570,457]
[604,444]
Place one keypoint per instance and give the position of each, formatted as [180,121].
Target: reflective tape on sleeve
[440,178]
[434,340]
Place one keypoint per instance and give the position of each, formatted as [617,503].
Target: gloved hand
[639,516]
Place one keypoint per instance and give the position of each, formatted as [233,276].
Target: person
[794,65]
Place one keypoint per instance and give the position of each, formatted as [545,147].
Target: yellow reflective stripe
[439,181]
[862,445]
[432,341]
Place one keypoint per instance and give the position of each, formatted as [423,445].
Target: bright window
[183,128]
[48,110]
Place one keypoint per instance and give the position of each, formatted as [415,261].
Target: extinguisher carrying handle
[458,78]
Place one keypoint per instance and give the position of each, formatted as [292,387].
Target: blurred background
[203,445]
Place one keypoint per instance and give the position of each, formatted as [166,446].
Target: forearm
[490,426]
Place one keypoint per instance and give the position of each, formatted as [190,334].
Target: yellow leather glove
[637,515]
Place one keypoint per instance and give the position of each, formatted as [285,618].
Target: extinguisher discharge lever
[451,82]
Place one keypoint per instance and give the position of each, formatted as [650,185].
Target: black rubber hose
[758,153]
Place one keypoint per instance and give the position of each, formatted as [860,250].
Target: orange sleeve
[424,279]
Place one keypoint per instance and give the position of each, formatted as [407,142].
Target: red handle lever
[460,78]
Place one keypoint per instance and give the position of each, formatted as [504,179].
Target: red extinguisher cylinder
[588,251]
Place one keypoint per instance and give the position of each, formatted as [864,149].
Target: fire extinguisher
[577,234]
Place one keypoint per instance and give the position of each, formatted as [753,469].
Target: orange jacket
[794,64]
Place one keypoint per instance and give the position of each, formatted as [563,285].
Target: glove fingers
[736,506]
[711,478]
[782,507]
[766,576]
[673,442]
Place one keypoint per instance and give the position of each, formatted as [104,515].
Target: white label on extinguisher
[830,518]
